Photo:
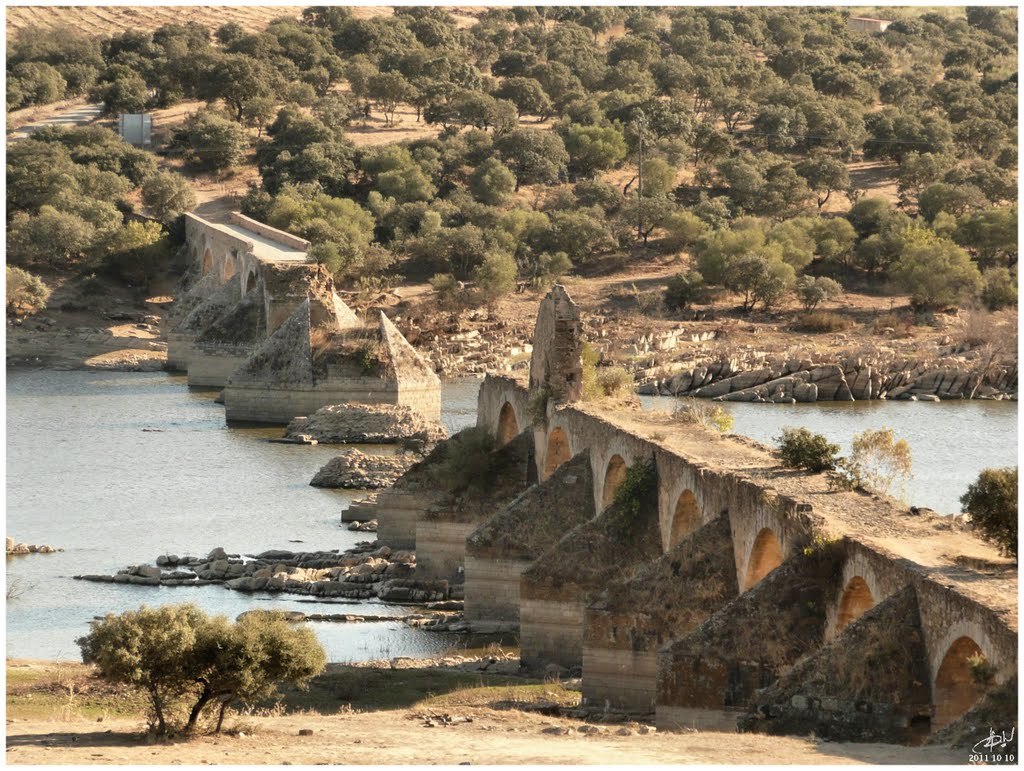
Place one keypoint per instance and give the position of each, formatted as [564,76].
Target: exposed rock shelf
[351,423]
[14,547]
[367,570]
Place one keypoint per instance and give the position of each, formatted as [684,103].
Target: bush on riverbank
[185,661]
[992,504]
[800,448]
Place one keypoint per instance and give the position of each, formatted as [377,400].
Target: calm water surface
[119,468]
[950,441]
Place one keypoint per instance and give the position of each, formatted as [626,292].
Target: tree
[237,79]
[325,220]
[759,278]
[527,95]
[395,173]
[38,82]
[213,141]
[184,660]
[388,90]
[812,291]
[992,503]
[168,195]
[824,174]
[492,183]
[134,250]
[128,93]
[937,275]
[26,293]
[496,276]
[52,237]
[684,228]
[952,199]
[879,460]
[535,157]
[594,148]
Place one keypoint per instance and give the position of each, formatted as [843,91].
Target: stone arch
[686,517]
[765,556]
[207,261]
[856,601]
[557,453]
[508,426]
[614,475]
[955,690]
[248,280]
[228,269]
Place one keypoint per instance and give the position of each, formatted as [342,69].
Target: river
[118,468]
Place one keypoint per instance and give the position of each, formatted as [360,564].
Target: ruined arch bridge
[728,591]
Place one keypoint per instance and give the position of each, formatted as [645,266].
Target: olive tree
[992,503]
[167,195]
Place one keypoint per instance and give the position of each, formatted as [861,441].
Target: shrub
[450,292]
[496,276]
[937,275]
[992,503]
[1000,288]
[184,660]
[167,195]
[26,293]
[822,321]
[877,463]
[812,291]
[639,489]
[467,460]
[537,407]
[683,290]
[703,413]
[899,323]
[614,381]
[800,448]
[550,268]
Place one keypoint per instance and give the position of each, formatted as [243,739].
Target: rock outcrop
[355,470]
[16,547]
[352,423]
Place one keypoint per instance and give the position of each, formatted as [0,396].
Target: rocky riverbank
[17,548]
[355,470]
[367,570]
[956,374]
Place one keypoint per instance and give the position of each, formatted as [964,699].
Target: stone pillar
[556,364]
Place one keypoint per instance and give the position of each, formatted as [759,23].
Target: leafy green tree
[685,228]
[834,239]
[38,82]
[184,661]
[869,214]
[803,449]
[579,234]
[550,268]
[394,173]
[990,235]
[492,183]
[716,250]
[237,79]
[527,95]
[127,93]
[388,90]
[992,503]
[594,148]
[325,220]
[759,278]
[168,195]
[937,275]
[135,250]
[535,157]
[824,175]
[213,142]
[952,199]
[496,276]
[26,293]
[51,237]
[795,240]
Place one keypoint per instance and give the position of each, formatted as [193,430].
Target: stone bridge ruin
[264,323]
[738,593]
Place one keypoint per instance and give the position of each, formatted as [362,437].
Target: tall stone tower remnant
[557,365]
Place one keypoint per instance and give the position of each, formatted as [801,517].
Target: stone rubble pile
[470,343]
[14,547]
[968,375]
[352,423]
[355,470]
[367,570]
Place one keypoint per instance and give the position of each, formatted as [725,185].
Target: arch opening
[558,451]
[686,517]
[508,426]
[229,268]
[207,262]
[955,689]
[856,601]
[248,280]
[765,556]
[614,476]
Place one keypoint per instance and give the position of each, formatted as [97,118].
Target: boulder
[149,571]
[217,554]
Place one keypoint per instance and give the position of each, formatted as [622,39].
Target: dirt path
[400,737]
